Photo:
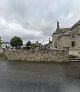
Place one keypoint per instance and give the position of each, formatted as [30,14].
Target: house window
[73,44]
[73,36]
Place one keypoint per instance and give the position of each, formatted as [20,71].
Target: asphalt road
[27,77]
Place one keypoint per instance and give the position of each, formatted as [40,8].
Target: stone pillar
[66,49]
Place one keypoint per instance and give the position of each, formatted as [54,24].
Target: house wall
[54,40]
[66,40]
[63,41]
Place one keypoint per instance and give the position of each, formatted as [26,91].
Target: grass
[2,56]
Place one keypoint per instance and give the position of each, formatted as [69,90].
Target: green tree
[33,46]
[16,42]
[28,45]
[1,42]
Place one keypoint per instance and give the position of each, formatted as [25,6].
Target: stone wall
[41,56]
[54,40]
[67,39]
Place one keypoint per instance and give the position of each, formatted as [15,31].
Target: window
[73,44]
[73,36]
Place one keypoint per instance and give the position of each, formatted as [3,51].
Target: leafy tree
[16,42]
[1,42]
[28,45]
[33,46]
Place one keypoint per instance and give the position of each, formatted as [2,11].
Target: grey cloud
[36,16]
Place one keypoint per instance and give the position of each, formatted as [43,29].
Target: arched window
[73,44]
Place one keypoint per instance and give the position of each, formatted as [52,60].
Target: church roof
[63,30]
[78,23]
[66,31]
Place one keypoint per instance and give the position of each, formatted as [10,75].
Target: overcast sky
[35,20]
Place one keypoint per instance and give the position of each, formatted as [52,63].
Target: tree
[16,42]
[28,45]
[1,42]
[33,46]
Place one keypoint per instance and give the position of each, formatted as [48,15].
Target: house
[48,46]
[38,46]
[67,37]
[5,45]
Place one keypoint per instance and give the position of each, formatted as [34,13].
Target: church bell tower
[58,27]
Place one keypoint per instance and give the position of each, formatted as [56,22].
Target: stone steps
[74,59]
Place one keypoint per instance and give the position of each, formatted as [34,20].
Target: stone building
[5,45]
[47,46]
[38,46]
[67,37]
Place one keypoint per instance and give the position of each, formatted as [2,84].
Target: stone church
[67,37]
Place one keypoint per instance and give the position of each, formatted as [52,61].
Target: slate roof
[70,30]
[63,30]
[38,44]
[67,31]
[6,42]
[78,23]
